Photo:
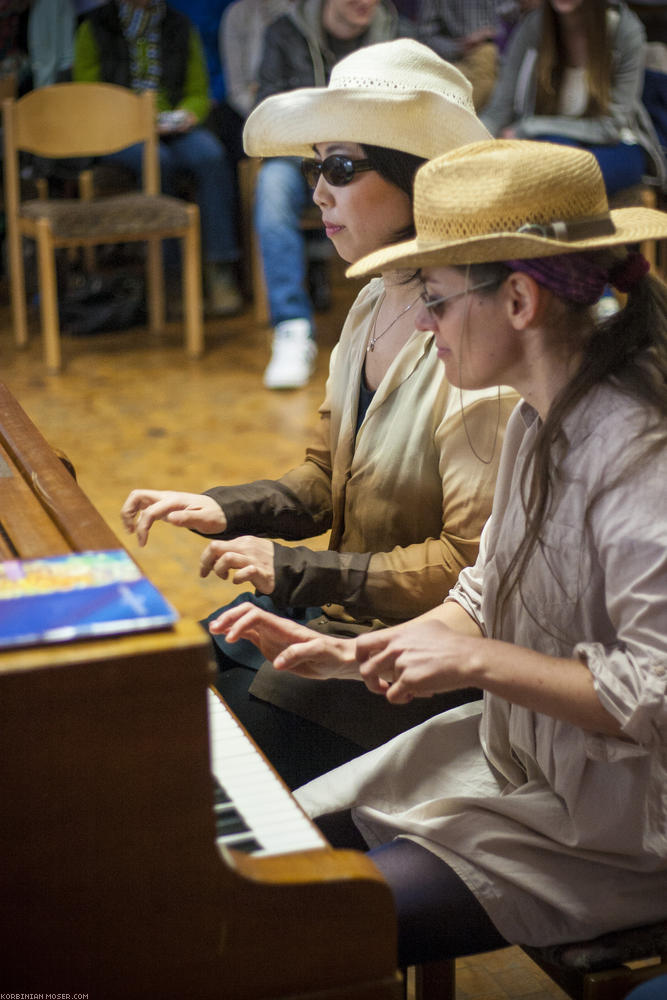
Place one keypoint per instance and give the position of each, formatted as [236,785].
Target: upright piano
[116,761]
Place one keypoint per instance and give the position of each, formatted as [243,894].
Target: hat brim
[632,225]
[424,123]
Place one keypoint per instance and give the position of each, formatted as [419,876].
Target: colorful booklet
[82,594]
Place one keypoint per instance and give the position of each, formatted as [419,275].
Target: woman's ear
[525,301]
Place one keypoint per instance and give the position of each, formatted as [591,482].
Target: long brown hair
[630,350]
[551,58]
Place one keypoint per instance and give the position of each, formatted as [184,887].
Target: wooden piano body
[111,883]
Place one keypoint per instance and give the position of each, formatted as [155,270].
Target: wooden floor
[129,410]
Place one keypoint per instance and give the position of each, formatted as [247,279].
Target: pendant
[371,345]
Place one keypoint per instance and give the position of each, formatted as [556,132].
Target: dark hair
[398,168]
[630,349]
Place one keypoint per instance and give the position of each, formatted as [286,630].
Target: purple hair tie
[576,277]
[626,274]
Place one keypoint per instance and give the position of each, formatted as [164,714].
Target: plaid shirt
[443,23]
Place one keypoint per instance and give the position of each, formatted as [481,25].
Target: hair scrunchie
[626,274]
[575,277]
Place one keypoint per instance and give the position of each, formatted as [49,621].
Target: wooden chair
[91,119]
[642,196]
[311,219]
[604,968]
[7,86]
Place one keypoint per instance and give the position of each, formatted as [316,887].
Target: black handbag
[100,303]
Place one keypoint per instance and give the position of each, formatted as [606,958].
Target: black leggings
[438,916]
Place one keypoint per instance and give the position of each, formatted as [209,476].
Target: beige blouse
[405,497]
[560,833]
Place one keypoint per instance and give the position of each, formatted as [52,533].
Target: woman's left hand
[415,660]
[250,559]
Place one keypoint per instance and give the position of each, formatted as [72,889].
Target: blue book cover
[78,595]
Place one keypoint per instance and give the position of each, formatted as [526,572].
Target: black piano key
[219,793]
[248,845]
[231,822]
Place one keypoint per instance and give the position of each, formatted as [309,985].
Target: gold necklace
[375,337]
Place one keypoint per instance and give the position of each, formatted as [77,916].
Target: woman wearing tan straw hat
[537,816]
[390,472]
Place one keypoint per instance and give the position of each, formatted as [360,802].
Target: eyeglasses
[434,306]
[337,170]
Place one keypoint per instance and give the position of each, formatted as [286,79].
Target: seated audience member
[300,49]
[510,13]
[13,55]
[573,73]
[240,41]
[390,472]
[144,44]
[465,34]
[537,817]
[50,39]
[222,120]
[51,26]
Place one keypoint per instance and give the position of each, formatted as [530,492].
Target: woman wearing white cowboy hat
[390,472]
[539,817]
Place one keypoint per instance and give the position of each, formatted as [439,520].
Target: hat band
[571,230]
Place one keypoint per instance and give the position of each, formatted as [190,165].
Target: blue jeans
[622,165]
[281,195]
[654,989]
[202,156]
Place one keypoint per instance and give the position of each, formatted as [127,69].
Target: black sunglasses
[337,170]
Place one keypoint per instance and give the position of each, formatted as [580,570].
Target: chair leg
[155,286]
[247,175]
[48,294]
[649,250]
[17,285]
[86,193]
[192,287]
[260,297]
[435,981]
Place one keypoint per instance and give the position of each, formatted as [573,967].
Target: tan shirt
[405,497]
[560,833]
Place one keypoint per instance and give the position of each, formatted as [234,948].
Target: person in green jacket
[146,45]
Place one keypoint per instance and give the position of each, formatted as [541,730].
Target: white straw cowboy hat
[398,94]
[511,199]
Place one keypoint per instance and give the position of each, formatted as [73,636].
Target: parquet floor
[130,410]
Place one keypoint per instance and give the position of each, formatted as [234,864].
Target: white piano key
[274,818]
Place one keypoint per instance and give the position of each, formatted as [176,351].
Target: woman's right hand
[289,645]
[184,510]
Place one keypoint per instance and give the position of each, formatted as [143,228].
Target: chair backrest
[7,86]
[83,119]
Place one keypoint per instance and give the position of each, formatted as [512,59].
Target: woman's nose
[321,192]
[424,318]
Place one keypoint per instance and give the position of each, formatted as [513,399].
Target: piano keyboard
[254,811]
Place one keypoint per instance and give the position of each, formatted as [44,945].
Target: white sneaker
[293,357]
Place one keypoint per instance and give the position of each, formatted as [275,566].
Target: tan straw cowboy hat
[511,199]
[398,94]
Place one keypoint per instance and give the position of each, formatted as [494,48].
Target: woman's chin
[339,247]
